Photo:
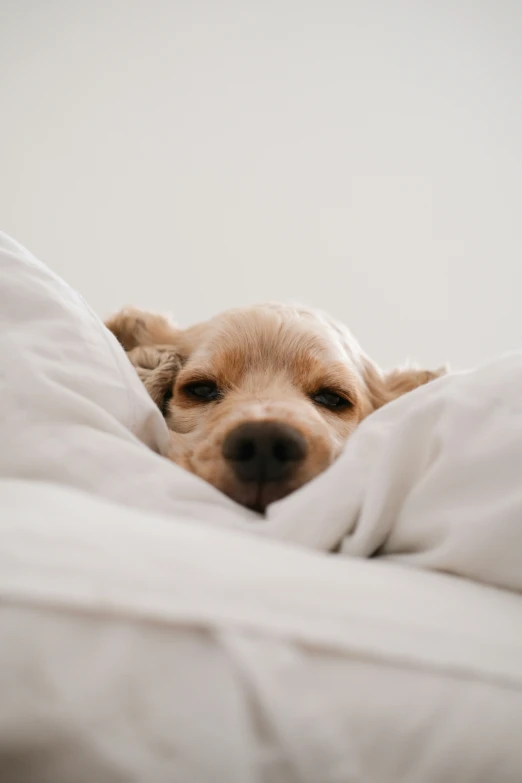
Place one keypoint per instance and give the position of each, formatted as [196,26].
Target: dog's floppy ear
[385,387]
[134,327]
[157,367]
[382,387]
[151,343]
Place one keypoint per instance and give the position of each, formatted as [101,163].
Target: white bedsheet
[152,630]
[142,648]
[433,481]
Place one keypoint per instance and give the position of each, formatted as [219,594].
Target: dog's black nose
[264,451]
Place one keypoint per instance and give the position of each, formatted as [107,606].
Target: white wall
[364,157]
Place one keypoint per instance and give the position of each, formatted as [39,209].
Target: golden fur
[267,362]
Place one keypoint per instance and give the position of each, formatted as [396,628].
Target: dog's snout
[262,451]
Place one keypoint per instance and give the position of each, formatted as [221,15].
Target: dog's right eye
[204,391]
[329,399]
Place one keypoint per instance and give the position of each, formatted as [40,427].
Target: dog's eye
[205,391]
[329,399]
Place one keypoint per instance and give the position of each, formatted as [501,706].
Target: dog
[258,400]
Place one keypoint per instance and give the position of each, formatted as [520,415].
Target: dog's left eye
[329,399]
[205,391]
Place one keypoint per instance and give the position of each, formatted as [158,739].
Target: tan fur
[268,361]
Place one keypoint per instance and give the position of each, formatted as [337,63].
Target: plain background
[191,155]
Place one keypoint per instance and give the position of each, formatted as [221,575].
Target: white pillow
[73,409]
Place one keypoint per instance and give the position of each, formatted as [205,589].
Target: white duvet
[149,634]
[433,480]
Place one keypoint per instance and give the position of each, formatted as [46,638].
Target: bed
[369,629]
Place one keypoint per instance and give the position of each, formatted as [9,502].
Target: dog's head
[259,400]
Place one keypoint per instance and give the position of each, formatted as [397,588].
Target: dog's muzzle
[264,451]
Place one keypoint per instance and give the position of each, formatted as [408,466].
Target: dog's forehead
[266,335]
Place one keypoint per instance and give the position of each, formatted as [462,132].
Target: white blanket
[432,480]
[149,635]
[145,649]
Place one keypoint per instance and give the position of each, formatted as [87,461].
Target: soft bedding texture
[432,479]
[148,634]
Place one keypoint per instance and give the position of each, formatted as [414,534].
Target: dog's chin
[257,497]
[252,495]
